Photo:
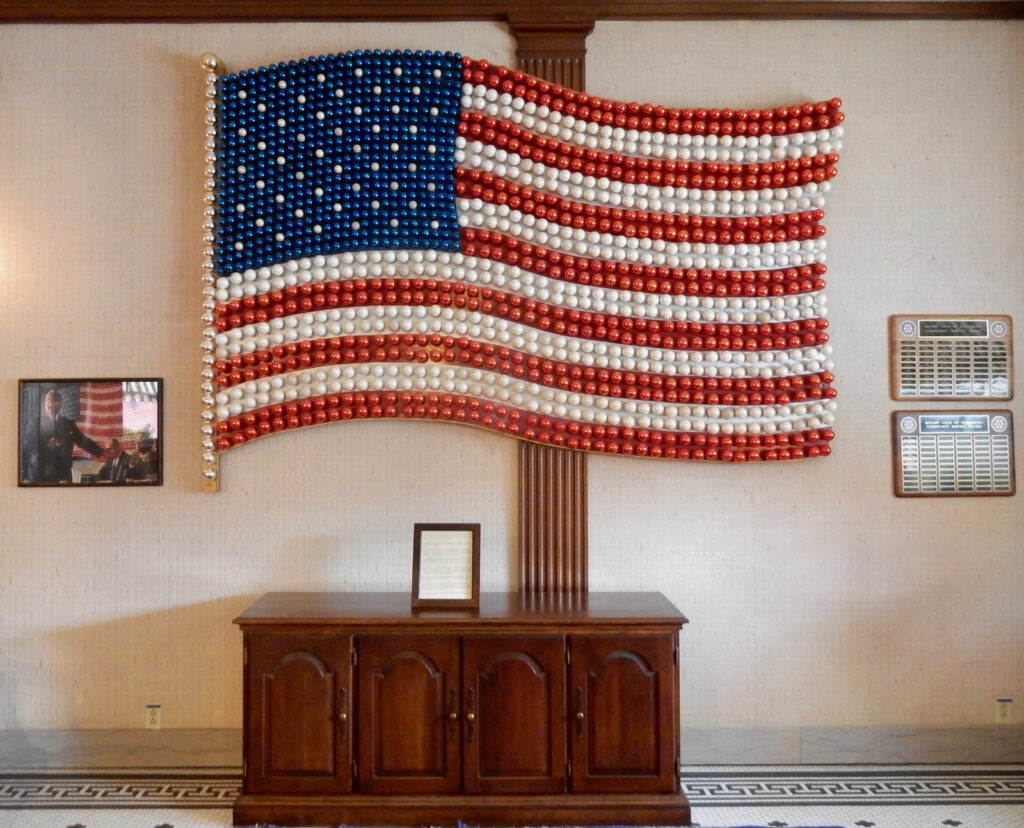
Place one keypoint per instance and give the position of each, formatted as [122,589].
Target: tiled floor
[774,796]
[974,816]
[897,816]
[872,796]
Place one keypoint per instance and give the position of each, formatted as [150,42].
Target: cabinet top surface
[383,608]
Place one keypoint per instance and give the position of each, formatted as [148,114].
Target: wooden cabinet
[408,702]
[447,714]
[552,710]
[514,714]
[625,721]
[298,694]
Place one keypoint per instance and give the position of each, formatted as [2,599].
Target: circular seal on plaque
[908,327]
[908,425]
[999,423]
[998,328]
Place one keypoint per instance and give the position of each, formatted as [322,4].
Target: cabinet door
[409,729]
[514,714]
[622,712]
[298,730]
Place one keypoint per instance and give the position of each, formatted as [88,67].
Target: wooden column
[552,480]
[552,49]
[552,519]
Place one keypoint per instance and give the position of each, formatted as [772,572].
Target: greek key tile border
[705,786]
[734,786]
[149,788]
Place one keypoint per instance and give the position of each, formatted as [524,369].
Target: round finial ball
[210,62]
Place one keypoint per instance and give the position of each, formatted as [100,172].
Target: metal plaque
[951,357]
[953,453]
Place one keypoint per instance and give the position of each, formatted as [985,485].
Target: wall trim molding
[199,11]
[852,745]
[108,749]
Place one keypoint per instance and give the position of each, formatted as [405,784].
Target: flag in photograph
[100,413]
[421,235]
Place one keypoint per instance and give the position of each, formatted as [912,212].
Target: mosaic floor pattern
[969,796]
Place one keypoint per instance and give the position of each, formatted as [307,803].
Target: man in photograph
[145,463]
[118,464]
[58,436]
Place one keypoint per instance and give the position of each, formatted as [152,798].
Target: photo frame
[446,565]
[90,432]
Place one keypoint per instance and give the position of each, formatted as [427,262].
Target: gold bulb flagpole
[213,68]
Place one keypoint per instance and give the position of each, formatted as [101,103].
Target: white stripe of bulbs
[627,195]
[524,395]
[542,120]
[471,324]
[456,267]
[645,251]
[457,322]
[528,396]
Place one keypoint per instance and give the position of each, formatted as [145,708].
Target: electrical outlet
[152,717]
[1004,711]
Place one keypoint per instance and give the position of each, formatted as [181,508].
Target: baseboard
[99,749]
[863,745]
[222,748]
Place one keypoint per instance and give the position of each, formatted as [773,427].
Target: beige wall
[815,596]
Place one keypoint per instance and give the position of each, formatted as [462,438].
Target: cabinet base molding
[560,809]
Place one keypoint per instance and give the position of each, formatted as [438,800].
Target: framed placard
[939,453]
[446,565]
[90,432]
[951,357]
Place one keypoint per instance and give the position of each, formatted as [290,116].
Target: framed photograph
[90,432]
[446,565]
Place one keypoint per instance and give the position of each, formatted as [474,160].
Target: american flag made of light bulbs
[422,235]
